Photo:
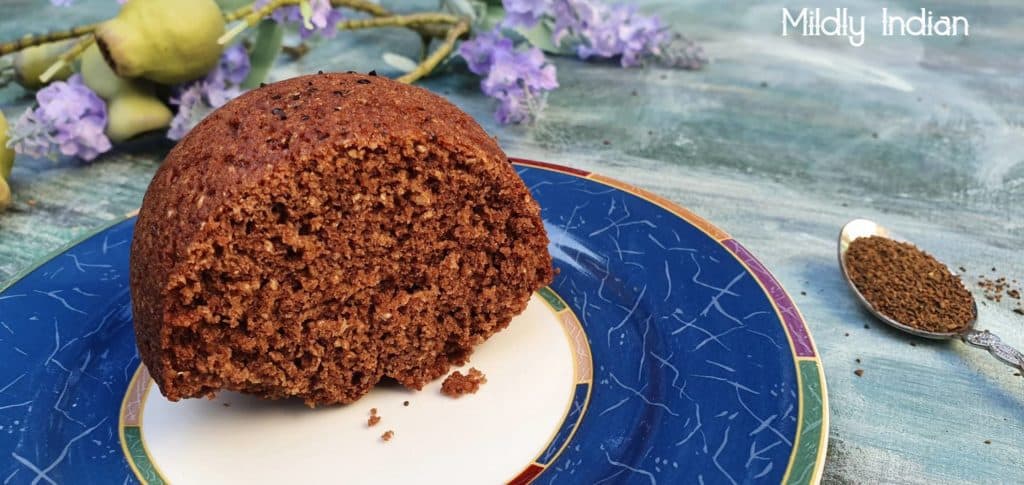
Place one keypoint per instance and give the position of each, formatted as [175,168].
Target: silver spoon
[984,339]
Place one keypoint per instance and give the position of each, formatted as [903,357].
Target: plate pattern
[703,370]
[68,349]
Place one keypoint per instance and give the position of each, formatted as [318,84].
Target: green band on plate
[808,444]
[552,299]
[137,454]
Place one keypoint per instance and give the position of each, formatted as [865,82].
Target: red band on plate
[551,166]
[527,475]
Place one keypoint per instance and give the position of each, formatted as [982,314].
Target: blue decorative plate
[663,352]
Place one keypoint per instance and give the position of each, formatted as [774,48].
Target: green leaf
[265,49]
[540,37]
[462,8]
[492,16]
[399,62]
[231,4]
[307,14]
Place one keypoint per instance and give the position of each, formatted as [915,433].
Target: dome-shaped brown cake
[319,234]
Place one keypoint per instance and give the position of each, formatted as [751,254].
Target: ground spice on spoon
[909,285]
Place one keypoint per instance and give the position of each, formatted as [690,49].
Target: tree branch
[31,40]
[435,58]
[67,57]
[411,20]
[362,6]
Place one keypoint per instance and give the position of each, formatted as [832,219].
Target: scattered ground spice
[859,372]
[988,442]
[995,288]
[909,285]
[227,404]
[857,360]
[457,384]
[387,435]
[406,403]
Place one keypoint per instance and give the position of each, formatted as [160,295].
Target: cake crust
[316,235]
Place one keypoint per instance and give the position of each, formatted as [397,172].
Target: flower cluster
[323,19]
[518,79]
[69,120]
[595,29]
[525,13]
[198,98]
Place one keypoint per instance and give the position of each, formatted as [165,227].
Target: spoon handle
[989,341]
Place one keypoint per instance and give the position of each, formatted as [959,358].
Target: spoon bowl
[859,228]
[984,339]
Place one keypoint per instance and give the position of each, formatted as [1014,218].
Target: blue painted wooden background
[779,141]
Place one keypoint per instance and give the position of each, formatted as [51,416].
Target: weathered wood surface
[779,142]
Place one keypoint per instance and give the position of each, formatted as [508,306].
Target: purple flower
[606,31]
[479,52]
[602,31]
[192,108]
[69,120]
[198,98]
[524,13]
[61,3]
[233,66]
[518,79]
[324,18]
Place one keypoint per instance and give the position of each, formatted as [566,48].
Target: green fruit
[133,113]
[132,105]
[5,194]
[6,154]
[167,41]
[98,76]
[30,63]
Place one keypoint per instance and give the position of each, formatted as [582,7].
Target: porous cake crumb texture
[318,234]
[457,384]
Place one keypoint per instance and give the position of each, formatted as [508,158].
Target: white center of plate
[487,437]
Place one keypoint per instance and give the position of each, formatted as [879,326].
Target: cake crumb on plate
[387,435]
[457,384]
